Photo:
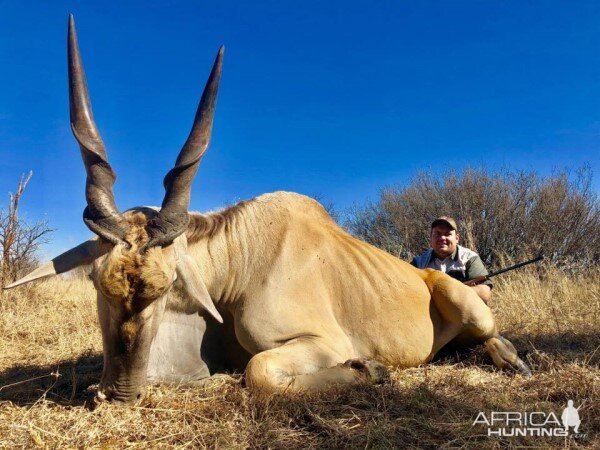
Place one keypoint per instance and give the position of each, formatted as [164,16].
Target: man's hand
[484,292]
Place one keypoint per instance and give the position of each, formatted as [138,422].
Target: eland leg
[464,311]
[308,365]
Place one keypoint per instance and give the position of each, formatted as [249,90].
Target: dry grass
[50,352]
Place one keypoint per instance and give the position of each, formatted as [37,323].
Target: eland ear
[81,255]
[191,279]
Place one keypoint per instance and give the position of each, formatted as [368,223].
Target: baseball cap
[445,220]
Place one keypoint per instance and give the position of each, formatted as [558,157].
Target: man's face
[443,240]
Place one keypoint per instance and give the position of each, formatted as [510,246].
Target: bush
[501,215]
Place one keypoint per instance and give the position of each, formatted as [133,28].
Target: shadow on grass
[538,350]
[64,382]
[412,413]
[568,346]
[367,417]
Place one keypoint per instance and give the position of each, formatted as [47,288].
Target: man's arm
[484,291]
[475,268]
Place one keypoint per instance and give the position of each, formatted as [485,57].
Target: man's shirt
[463,264]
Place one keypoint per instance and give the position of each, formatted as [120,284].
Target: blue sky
[332,99]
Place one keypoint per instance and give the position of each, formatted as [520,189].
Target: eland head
[137,255]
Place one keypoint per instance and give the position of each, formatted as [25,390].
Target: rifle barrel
[516,266]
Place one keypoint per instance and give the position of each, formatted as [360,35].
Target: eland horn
[172,219]
[101,214]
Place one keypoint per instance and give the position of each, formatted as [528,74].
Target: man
[446,255]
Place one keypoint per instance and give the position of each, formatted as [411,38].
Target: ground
[50,353]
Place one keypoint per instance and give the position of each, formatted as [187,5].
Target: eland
[272,285]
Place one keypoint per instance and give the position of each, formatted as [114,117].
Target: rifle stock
[476,281]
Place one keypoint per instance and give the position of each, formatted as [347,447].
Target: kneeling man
[446,255]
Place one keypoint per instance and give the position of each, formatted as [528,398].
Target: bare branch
[19,240]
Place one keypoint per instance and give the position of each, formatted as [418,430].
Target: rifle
[479,280]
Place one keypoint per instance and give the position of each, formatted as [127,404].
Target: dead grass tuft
[50,352]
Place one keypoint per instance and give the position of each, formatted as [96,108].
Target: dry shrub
[499,213]
[50,352]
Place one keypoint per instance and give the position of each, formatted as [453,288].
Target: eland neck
[233,248]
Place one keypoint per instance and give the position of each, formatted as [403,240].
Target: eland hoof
[371,370]
[522,368]
[505,356]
